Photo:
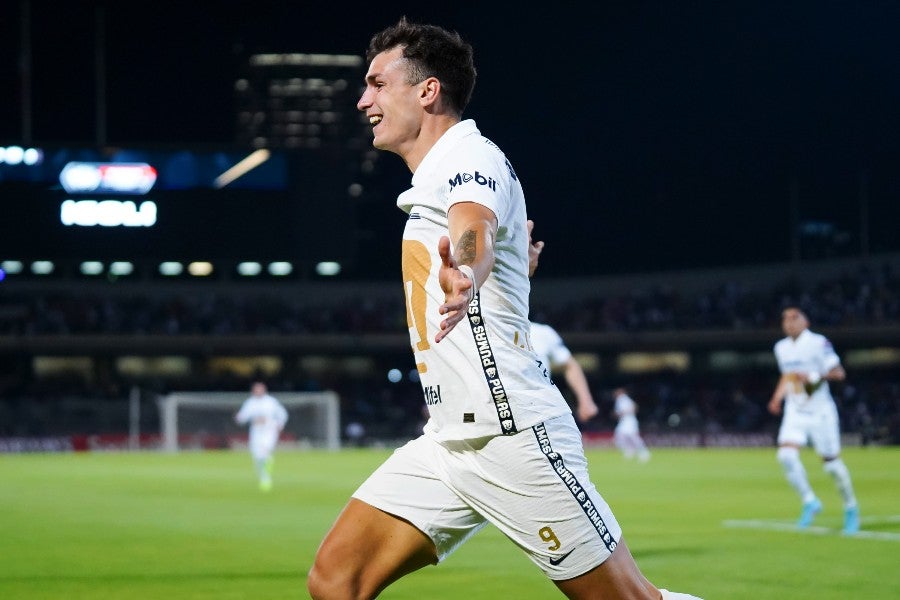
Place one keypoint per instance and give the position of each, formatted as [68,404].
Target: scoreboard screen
[140,205]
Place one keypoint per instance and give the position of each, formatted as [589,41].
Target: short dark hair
[432,51]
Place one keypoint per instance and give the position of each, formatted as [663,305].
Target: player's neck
[433,128]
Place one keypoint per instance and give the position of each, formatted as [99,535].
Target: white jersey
[809,352]
[482,379]
[548,345]
[265,414]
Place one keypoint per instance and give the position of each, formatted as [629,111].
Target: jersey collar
[443,146]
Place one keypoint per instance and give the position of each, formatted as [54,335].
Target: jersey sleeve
[243,415]
[830,359]
[559,353]
[282,414]
[478,174]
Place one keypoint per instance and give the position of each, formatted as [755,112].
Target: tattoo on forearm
[465,248]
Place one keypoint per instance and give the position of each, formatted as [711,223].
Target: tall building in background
[304,105]
[301,101]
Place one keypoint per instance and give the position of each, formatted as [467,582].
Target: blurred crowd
[866,296]
[377,408]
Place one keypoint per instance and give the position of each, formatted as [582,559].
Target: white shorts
[818,425]
[262,443]
[534,486]
[627,426]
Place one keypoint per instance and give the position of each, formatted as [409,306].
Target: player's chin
[382,141]
[383,146]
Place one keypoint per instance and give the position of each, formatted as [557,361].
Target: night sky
[648,135]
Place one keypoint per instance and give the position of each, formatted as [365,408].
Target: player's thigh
[262,445]
[534,486]
[628,426]
[825,433]
[411,485]
[794,430]
[367,549]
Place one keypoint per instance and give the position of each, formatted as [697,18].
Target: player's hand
[775,406]
[587,411]
[534,250]
[458,290]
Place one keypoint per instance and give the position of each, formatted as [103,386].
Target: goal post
[198,420]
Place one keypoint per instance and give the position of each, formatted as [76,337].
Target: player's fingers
[457,303]
[447,325]
[444,251]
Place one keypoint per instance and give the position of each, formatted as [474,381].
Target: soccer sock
[642,451]
[624,445]
[667,595]
[260,464]
[841,475]
[795,473]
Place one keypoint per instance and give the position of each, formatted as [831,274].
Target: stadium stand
[66,345]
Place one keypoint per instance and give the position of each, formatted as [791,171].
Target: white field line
[768,525]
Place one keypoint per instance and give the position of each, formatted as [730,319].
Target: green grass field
[715,523]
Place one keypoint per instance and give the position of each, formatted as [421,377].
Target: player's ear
[429,91]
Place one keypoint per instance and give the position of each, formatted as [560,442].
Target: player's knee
[788,455]
[323,583]
[832,465]
[322,588]
[317,584]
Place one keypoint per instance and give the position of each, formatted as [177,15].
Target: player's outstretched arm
[585,409]
[459,289]
[778,394]
[468,265]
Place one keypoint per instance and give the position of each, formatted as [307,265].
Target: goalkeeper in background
[267,417]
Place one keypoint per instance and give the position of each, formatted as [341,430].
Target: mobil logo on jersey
[463,178]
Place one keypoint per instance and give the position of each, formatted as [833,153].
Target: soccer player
[267,417]
[501,445]
[554,354]
[627,434]
[552,350]
[807,362]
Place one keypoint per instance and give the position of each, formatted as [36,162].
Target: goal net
[205,420]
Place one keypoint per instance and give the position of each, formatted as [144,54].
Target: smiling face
[391,104]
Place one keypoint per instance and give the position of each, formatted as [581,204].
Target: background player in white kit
[807,362]
[627,434]
[552,350]
[267,417]
[501,445]
[554,354]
